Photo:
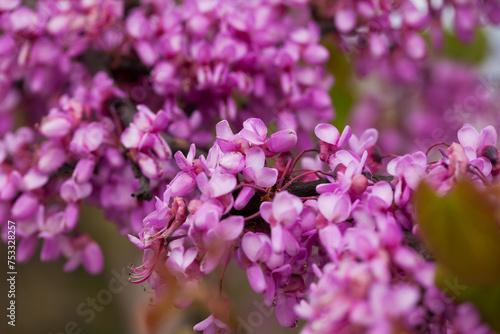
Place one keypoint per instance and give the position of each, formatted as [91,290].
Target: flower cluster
[338,223]
[387,35]
[233,60]
[40,50]
[417,114]
[75,155]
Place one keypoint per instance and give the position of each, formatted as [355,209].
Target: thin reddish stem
[302,175]
[255,215]
[224,272]
[434,145]
[250,186]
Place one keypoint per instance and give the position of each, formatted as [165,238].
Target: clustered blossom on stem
[335,254]
[388,35]
[40,48]
[75,156]
[233,60]
[432,108]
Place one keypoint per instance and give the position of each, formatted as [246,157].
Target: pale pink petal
[468,136]
[327,133]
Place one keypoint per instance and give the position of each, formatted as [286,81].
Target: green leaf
[472,52]
[486,299]
[461,232]
[340,65]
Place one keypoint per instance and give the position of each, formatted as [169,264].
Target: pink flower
[280,214]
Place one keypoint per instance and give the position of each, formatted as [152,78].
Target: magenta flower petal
[254,130]
[331,239]
[277,238]
[231,227]
[335,207]
[255,158]
[282,141]
[285,313]
[286,208]
[26,248]
[84,170]
[256,278]
[24,206]
[468,136]
[72,192]
[345,20]
[150,166]
[183,184]
[232,162]
[92,258]
[344,138]
[266,177]
[55,125]
[243,198]
[327,133]
[50,250]
[35,179]
[316,54]
[383,190]
[51,157]
[487,136]
[251,245]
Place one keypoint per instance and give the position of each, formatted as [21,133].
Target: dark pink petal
[316,54]
[6,5]
[285,313]
[161,147]
[223,130]
[183,163]
[282,141]
[92,258]
[84,170]
[24,206]
[50,250]
[71,216]
[378,46]
[26,248]
[51,225]
[201,326]
[243,197]
[183,184]
[256,278]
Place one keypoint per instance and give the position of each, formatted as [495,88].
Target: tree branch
[144,193]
